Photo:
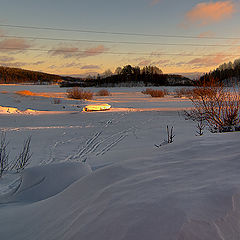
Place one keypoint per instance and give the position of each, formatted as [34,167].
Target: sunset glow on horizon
[88,37]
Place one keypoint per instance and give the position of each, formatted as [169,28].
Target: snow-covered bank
[127,189]
[189,192]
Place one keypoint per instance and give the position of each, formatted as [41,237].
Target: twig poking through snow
[3,154]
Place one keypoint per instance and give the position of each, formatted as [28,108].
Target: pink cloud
[205,13]
[13,44]
[206,34]
[68,52]
[144,63]
[209,61]
[1,33]
[94,51]
[154,2]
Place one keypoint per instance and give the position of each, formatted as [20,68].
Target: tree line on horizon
[134,76]
[225,72]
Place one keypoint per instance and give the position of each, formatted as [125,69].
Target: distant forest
[17,75]
[127,76]
[226,72]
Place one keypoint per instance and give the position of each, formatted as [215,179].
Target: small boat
[102,107]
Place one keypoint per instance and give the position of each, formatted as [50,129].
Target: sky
[87,37]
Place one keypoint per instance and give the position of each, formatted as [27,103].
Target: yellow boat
[102,107]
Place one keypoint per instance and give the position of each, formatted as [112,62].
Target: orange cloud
[205,13]
[13,44]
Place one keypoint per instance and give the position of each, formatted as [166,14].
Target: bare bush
[166,92]
[185,92]
[154,93]
[20,162]
[4,164]
[147,91]
[181,92]
[79,93]
[103,92]
[56,101]
[23,159]
[217,106]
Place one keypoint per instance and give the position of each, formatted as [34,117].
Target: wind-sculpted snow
[189,192]
[42,182]
[100,176]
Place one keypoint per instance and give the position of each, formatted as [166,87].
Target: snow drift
[183,193]
[128,189]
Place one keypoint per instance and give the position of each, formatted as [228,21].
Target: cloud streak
[19,64]
[208,61]
[13,44]
[91,67]
[69,52]
[6,59]
[210,12]
[154,2]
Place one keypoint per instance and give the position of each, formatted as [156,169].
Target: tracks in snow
[109,135]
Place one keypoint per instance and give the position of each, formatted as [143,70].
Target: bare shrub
[147,91]
[4,164]
[185,92]
[23,159]
[56,101]
[181,92]
[20,162]
[166,92]
[79,93]
[217,106]
[154,93]
[103,92]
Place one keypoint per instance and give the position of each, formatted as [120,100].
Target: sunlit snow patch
[101,107]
